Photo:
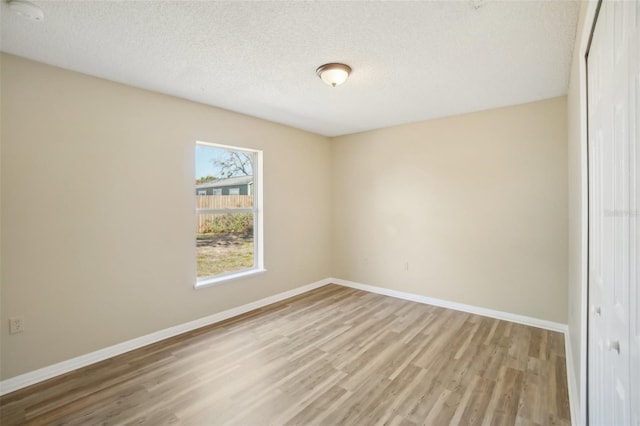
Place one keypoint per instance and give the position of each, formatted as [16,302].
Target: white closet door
[613,232]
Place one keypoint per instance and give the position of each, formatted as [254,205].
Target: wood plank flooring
[332,356]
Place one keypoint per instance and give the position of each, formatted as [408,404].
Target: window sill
[210,282]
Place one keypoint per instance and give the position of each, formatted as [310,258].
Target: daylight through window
[227,212]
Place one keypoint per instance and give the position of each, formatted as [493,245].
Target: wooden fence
[219,202]
[224,201]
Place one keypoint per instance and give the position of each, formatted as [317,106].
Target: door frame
[588,25]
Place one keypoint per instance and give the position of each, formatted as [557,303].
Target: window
[228,229]
[202,192]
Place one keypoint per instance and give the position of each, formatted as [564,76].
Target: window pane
[226,211]
[224,243]
[224,178]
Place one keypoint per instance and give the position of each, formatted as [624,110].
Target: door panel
[613,100]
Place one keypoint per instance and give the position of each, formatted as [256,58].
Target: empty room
[320,212]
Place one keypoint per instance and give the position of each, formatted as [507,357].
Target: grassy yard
[220,253]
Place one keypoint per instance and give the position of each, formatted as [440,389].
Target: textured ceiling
[411,60]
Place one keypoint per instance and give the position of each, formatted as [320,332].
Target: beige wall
[97,212]
[97,216]
[476,204]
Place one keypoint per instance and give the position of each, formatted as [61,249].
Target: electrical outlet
[405,266]
[16,325]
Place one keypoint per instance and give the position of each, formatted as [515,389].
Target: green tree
[205,179]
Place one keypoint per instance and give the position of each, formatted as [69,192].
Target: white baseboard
[45,373]
[572,384]
[507,316]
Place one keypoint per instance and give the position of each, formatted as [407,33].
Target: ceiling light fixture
[334,74]
[26,10]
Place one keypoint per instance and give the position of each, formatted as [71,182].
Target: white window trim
[225,278]
[258,223]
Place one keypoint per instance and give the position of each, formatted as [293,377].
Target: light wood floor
[333,356]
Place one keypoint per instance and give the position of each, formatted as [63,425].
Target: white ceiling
[411,60]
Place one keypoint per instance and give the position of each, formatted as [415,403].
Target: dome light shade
[334,74]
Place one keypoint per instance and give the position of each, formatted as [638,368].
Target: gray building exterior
[241,185]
